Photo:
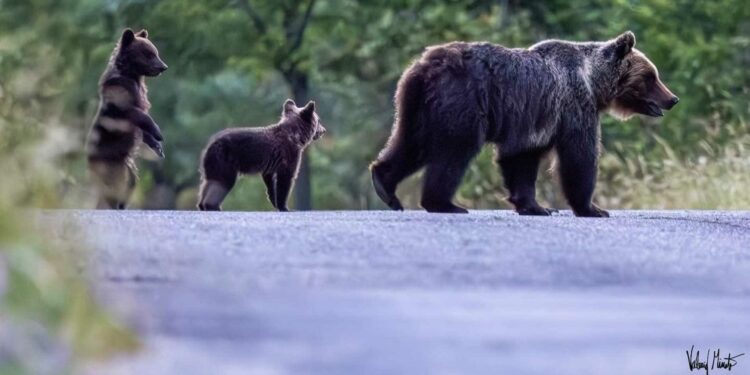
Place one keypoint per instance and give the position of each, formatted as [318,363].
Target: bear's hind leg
[114,183]
[442,179]
[212,194]
[389,172]
[104,203]
[519,175]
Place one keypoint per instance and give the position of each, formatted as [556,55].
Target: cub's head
[305,120]
[638,89]
[137,56]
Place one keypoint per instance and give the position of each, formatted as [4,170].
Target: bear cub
[273,151]
[122,121]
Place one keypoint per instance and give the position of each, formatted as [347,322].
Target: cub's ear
[143,34]
[127,37]
[307,112]
[289,107]
[622,45]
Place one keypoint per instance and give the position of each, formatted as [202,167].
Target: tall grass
[49,321]
[717,179]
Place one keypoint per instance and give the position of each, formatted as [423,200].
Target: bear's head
[137,56]
[638,89]
[305,120]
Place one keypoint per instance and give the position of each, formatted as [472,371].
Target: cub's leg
[392,168]
[119,109]
[578,155]
[270,181]
[147,124]
[153,144]
[132,179]
[519,175]
[443,177]
[213,192]
[284,182]
[114,182]
[105,203]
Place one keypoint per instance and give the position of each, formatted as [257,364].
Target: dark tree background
[233,62]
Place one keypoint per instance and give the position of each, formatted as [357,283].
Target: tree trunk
[505,15]
[298,82]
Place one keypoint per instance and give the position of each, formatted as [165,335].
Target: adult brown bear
[458,96]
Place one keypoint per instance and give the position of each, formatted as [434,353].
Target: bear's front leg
[519,175]
[578,154]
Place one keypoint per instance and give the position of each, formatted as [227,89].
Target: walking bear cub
[273,151]
[122,121]
[458,96]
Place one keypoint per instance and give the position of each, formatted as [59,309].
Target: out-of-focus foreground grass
[49,321]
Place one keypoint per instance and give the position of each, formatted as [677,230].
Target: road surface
[417,293]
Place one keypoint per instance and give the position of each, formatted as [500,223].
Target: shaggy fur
[122,121]
[273,151]
[458,96]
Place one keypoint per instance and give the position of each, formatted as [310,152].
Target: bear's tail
[406,140]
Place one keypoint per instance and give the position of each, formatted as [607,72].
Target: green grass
[717,180]
[49,320]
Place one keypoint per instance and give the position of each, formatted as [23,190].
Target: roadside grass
[718,179]
[50,322]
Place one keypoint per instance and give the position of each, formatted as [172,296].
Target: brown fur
[640,90]
[526,101]
[273,151]
[122,121]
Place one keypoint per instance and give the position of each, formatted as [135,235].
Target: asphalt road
[417,293]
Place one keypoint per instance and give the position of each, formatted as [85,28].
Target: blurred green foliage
[49,321]
[233,62]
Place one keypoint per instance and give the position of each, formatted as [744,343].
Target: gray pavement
[416,293]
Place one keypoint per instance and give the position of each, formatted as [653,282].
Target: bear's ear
[127,37]
[143,34]
[289,107]
[307,112]
[623,45]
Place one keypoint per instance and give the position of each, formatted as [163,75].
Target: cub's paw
[153,144]
[159,151]
[395,204]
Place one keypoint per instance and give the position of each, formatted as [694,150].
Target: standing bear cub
[122,121]
[273,151]
[458,96]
